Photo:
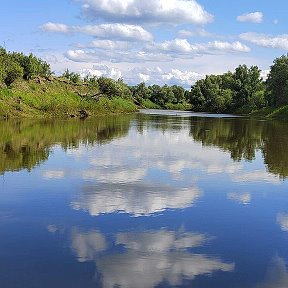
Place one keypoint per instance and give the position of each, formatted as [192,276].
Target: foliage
[277,82]
[72,76]
[227,92]
[17,65]
[113,88]
[241,91]
[25,144]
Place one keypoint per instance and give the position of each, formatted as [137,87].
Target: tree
[72,76]
[211,95]
[140,92]
[113,88]
[15,65]
[247,82]
[13,72]
[179,94]
[277,82]
[32,66]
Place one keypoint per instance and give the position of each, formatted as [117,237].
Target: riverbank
[55,97]
[280,113]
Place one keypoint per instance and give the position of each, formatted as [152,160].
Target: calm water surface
[156,199]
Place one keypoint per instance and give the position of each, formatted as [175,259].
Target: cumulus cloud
[256,176]
[166,51]
[137,199]
[55,27]
[183,46]
[121,56]
[135,266]
[53,174]
[107,45]
[156,75]
[102,70]
[282,220]
[111,31]
[264,74]
[255,17]
[150,241]
[268,41]
[88,244]
[198,32]
[184,78]
[243,198]
[123,184]
[149,11]
[277,275]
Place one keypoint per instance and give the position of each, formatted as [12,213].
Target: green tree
[13,71]
[72,76]
[247,82]
[179,94]
[277,82]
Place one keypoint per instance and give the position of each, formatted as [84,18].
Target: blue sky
[156,41]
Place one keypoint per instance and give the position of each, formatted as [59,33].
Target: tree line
[14,65]
[241,90]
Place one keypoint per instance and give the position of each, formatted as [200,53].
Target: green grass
[55,99]
[178,106]
[148,104]
[280,113]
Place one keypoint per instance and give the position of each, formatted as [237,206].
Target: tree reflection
[243,137]
[25,144]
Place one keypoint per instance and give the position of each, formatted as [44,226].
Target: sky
[155,41]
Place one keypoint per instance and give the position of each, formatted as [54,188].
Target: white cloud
[255,17]
[137,199]
[182,46]
[243,198]
[227,46]
[126,175]
[282,220]
[158,76]
[268,41]
[102,70]
[110,31]
[122,184]
[55,27]
[107,45]
[167,51]
[88,244]
[264,74]
[51,174]
[256,176]
[144,77]
[184,78]
[277,275]
[198,32]
[167,251]
[150,241]
[149,11]
[100,55]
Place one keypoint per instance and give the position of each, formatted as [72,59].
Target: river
[152,199]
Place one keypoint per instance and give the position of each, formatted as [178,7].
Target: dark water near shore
[158,199]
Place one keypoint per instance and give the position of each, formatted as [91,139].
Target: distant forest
[240,91]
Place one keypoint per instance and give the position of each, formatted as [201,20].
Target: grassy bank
[58,98]
[280,113]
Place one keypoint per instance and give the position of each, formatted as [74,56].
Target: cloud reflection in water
[149,259]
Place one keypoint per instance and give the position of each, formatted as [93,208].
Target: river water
[154,199]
